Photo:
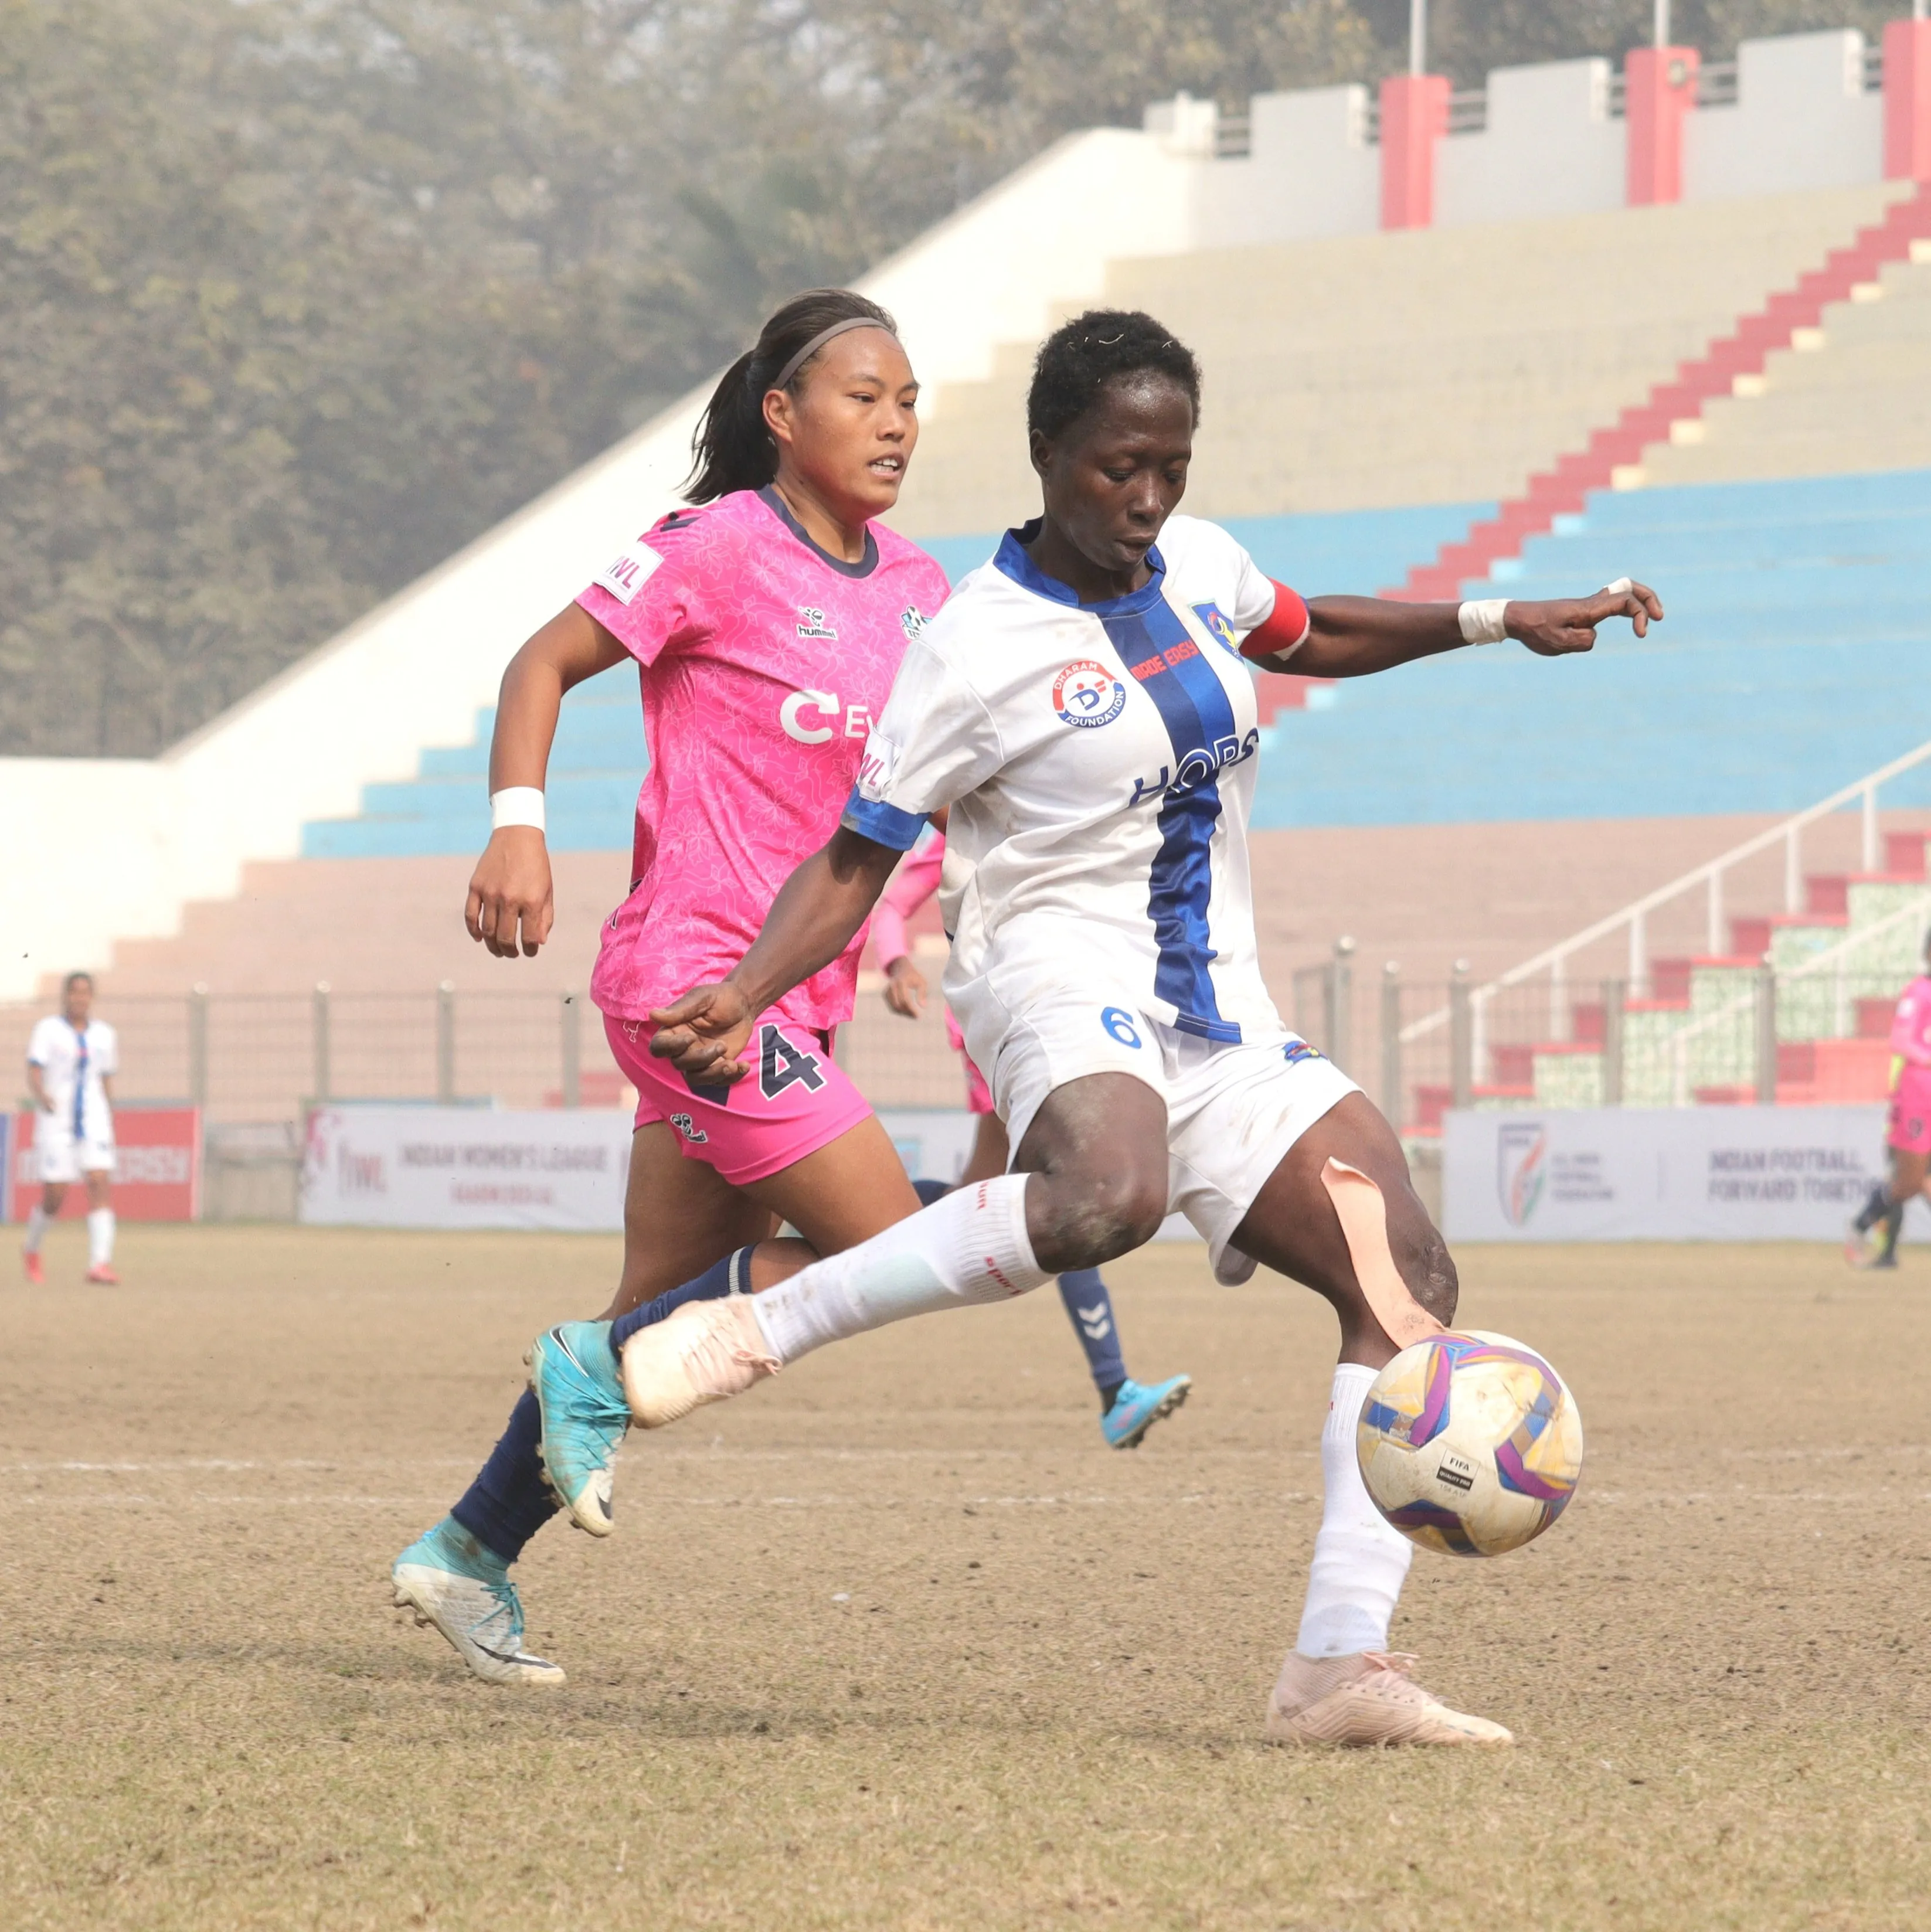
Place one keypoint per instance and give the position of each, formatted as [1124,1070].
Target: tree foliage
[298,296]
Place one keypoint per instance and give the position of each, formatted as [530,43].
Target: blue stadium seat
[1794,657]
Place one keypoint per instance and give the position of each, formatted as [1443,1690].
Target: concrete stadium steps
[1740,354]
[596,760]
[1855,395]
[370,925]
[1832,1043]
[1799,620]
[1537,333]
[1426,895]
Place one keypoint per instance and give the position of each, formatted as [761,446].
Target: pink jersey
[1911,1026]
[763,661]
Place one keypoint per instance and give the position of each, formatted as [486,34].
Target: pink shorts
[795,1100]
[1910,1126]
[978,1095]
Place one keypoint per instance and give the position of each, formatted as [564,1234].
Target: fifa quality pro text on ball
[1470,1443]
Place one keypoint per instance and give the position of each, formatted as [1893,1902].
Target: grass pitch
[895,1642]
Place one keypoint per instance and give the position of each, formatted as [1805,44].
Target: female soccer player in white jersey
[1081,706]
[72,1059]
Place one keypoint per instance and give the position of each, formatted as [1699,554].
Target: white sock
[1360,1557]
[970,1246]
[36,1228]
[100,1236]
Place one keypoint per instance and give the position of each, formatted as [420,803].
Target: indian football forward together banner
[1687,1174]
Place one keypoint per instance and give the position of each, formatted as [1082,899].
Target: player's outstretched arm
[1355,636]
[511,901]
[812,920]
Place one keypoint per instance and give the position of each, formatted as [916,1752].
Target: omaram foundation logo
[1522,1169]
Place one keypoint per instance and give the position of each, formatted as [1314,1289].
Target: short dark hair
[1080,357]
[733,447]
[73,980]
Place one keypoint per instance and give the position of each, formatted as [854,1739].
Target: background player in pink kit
[1908,1132]
[768,625]
[1127,1408]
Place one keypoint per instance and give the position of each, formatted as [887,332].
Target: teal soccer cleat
[463,1589]
[575,1377]
[1135,1409]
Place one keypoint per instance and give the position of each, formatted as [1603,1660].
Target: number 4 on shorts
[780,1065]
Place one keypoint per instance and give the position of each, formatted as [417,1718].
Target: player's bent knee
[1093,1218]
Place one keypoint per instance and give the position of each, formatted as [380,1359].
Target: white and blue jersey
[1098,761]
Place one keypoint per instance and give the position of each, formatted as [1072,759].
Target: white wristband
[516,805]
[1481,620]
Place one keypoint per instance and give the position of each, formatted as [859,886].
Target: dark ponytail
[733,448]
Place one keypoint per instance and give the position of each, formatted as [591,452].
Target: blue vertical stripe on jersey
[79,1082]
[1162,657]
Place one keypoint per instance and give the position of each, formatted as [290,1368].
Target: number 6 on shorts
[1118,1022]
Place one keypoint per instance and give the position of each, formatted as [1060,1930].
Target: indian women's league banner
[1690,1174]
[472,1167]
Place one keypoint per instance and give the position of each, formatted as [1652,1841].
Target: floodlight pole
[1418,36]
[1659,24]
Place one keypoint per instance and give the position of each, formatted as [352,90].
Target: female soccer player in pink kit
[1908,1134]
[767,624]
[1127,1408]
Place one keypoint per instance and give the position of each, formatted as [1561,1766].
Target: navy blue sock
[509,1501]
[1091,1308]
[731,1275]
[930,1191]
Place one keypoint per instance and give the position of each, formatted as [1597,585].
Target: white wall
[1550,148]
[1310,172]
[1802,120]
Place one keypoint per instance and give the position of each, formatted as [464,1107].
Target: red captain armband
[1287,625]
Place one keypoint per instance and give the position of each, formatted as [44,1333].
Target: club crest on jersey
[911,621]
[811,624]
[1088,694]
[1218,628]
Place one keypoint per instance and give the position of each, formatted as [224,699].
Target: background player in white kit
[72,1059]
[1081,706]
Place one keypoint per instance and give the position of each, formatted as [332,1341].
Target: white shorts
[63,1157]
[1232,1111]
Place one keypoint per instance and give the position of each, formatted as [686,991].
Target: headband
[817,342]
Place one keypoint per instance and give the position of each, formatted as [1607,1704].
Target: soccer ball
[1470,1443]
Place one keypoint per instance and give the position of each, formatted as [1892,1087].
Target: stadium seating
[594,762]
[1431,366]
[1856,396]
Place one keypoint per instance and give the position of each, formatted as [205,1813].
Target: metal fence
[1718,1034]
[267,1057]
[1725,1033]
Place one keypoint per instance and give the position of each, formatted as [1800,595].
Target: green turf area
[894,1642]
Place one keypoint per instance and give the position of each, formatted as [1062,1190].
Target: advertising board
[1688,1173]
[157,1166]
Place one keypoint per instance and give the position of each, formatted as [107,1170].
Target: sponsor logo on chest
[812,622]
[816,717]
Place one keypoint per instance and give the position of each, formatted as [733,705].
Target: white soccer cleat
[703,1351]
[463,1591]
[1366,1698]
